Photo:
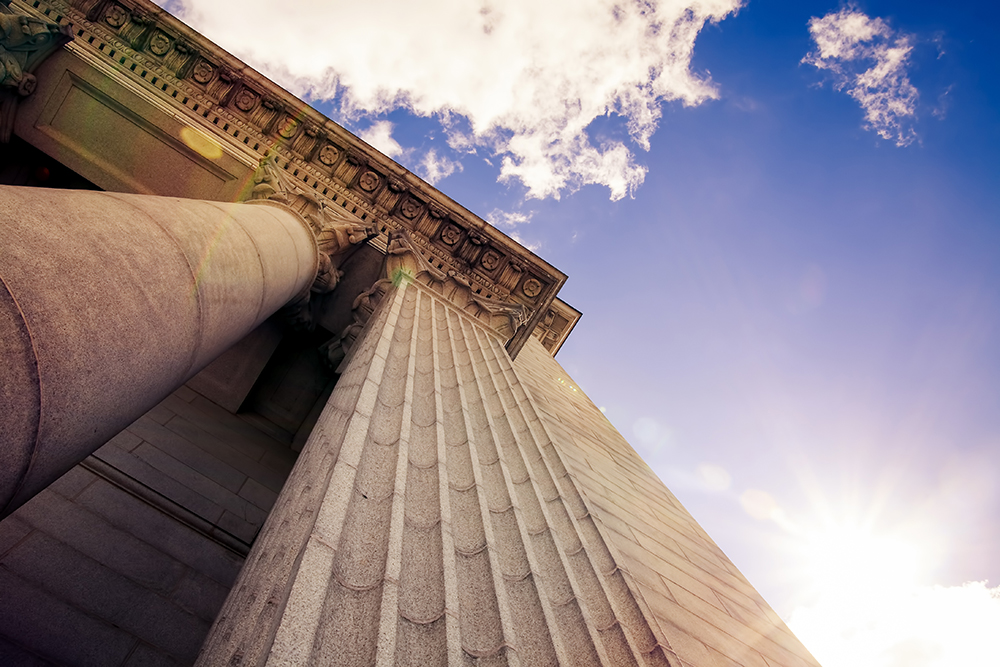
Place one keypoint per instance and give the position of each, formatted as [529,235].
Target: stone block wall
[127,558]
[697,602]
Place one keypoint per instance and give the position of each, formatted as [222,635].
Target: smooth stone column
[108,302]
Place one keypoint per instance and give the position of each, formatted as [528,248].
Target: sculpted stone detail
[328,155]
[116,16]
[490,260]
[368,181]
[451,235]
[396,185]
[355,158]
[436,211]
[159,43]
[246,100]
[409,209]
[287,127]
[531,288]
[335,233]
[203,72]
[25,41]
[515,313]
[476,238]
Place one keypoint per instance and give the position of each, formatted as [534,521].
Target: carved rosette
[203,71]
[328,155]
[159,43]
[116,16]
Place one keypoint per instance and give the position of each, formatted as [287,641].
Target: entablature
[236,109]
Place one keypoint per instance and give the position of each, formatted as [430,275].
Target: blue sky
[791,309]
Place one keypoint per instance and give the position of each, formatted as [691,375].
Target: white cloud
[521,79]
[915,626]
[379,136]
[435,167]
[533,247]
[509,219]
[870,61]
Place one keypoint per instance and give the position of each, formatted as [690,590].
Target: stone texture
[425,517]
[700,609]
[203,275]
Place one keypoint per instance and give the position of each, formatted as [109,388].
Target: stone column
[429,520]
[108,302]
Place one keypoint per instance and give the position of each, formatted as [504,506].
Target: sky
[781,221]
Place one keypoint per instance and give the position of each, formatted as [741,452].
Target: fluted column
[108,302]
[429,521]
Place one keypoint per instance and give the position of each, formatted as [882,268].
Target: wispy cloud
[435,167]
[379,135]
[869,60]
[508,219]
[520,80]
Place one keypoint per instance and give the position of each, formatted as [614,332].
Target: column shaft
[108,302]
[428,521]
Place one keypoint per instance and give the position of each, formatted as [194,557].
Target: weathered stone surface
[157,311]
[699,607]
[440,521]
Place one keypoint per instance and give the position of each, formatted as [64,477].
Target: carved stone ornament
[477,238]
[356,158]
[368,181]
[335,233]
[328,155]
[531,288]
[451,235]
[409,209]
[116,16]
[159,43]
[396,185]
[515,313]
[203,72]
[490,260]
[141,19]
[25,41]
[286,130]
[246,100]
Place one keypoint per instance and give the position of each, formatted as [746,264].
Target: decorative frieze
[180,68]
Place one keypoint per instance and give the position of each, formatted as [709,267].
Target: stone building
[270,399]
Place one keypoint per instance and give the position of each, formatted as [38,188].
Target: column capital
[335,231]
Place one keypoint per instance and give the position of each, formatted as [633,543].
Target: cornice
[250,115]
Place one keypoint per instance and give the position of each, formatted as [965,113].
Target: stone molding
[556,326]
[406,262]
[252,117]
[26,39]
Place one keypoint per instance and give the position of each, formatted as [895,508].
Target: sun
[844,560]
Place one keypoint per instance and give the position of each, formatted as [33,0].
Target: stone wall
[127,558]
[699,605]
